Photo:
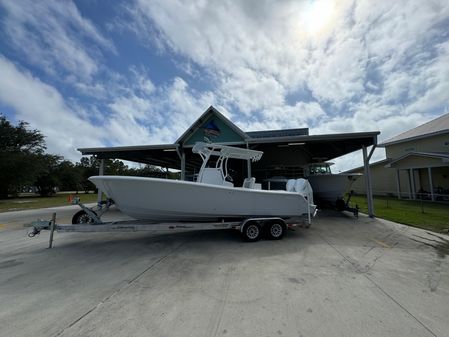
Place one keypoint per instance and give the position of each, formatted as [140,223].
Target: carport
[286,151]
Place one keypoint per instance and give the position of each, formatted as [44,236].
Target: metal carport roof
[316,147]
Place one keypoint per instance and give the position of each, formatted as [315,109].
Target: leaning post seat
[213,176]
[249,183]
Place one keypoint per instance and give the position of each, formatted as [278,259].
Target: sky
[93,73]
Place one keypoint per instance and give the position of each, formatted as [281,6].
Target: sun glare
[318,15]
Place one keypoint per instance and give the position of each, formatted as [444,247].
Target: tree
[47,180]
[90,166]
[69,176]
[23,162]
[87,167]
[116,167]
[20,149]
[19,138]
[148,171]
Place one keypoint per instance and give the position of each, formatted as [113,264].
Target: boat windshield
[323,168]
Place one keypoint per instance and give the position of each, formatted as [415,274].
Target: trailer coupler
[37,226]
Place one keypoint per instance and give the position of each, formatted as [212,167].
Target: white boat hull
[331,187]
[174,200]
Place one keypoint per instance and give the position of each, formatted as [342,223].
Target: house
[416,164]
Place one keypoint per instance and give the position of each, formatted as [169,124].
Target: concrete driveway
[341,277]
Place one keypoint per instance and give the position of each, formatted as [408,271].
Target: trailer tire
[251,231]
[81,217]
[340,205]
[275,230]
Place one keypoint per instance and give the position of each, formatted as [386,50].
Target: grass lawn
[33,201]
[416,213]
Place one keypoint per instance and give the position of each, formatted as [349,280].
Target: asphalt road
[341,277]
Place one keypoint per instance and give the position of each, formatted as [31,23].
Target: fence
[420,212]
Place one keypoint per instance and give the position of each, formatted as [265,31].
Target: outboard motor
[301,186]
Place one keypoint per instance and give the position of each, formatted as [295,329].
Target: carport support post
[398,183]
[418,171]
[368,185]
[183,165]
[248,163]
[182,157]
[412,183]
[100,173]
[409,185]
[429,170]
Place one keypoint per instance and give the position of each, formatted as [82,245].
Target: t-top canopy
[207,149]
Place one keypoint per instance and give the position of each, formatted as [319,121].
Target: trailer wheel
[340,205]
[82,217]
[251,232]
[275,230]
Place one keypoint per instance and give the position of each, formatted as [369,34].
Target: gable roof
[434,127]
[437,155]
[204,117]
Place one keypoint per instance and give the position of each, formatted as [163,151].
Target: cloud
[54,36]
[337,74]
[265,64]
[366,65]
[244,56]
[181,105]
[168,111]
[285,117]
[143,113]
[44,108]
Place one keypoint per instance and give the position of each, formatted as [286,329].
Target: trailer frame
[263,225]
[252,228]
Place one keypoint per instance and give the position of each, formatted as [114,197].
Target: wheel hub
[252,231]
[276,230]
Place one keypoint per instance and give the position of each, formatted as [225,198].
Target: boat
[329,188]
[212,197]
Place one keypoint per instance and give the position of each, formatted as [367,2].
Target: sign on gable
[214,130]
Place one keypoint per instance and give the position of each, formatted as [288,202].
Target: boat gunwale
[190,183]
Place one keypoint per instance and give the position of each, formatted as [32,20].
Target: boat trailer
[342,205]
[88,220]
